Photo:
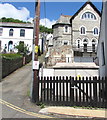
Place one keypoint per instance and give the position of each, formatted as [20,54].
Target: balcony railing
[85,49]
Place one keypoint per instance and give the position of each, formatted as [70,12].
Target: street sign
[35,65]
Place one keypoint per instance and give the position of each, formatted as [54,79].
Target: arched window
[93,45]
[66,29]
[95,31]
[83,31]
[88,15]
[1,31]
[10,46]
[11,32]
[78,43]
[85,42]
[22,33]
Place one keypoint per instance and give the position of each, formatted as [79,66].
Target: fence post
[72,90]
[95,91]
[106,91]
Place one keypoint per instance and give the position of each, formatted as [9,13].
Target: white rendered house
[11,34]
[102,46]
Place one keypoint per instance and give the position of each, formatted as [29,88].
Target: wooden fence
[69,91]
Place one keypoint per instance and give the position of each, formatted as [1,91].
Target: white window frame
[85,30]
[11,32]
[87,17]
[84,39]
[93,31]
[1,31]
[21,33]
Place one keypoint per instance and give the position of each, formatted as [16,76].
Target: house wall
[75,72]
[77,23]
[5,38]
[69,72]
[103,39]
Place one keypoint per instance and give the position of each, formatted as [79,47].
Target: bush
[11,56]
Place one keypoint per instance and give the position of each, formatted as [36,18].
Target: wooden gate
[70,91]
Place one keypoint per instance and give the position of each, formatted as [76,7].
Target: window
[11,32]
[103,53]
[93,45]
[22,33]
[78,43]
[95,31]
[85,42]
[88,15]
[1,31]
[85,47]
[83,31]
[66,29]
[65,43]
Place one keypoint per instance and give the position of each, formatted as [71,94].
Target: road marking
[26,112]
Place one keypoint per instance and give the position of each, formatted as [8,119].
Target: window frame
[1,31]
[11,32]
[65,29]
[94,32]
[22,32]
[88,15]
[84,33]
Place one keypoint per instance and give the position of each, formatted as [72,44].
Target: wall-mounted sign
[36,49]
[35,65]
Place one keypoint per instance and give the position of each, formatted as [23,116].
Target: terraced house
[11,34]
[75,38]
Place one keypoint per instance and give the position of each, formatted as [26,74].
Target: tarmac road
[15,90]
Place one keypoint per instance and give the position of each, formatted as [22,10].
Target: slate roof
[16,25]
[64,19]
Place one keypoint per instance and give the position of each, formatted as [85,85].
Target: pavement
[76,112]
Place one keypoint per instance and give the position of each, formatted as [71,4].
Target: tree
[22,48]
[41,28]
[12,20]
[45,29]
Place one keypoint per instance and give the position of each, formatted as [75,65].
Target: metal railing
[85,49]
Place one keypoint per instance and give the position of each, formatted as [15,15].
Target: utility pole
[35,89]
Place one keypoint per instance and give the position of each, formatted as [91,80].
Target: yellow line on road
[24,111]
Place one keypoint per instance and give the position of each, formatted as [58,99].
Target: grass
[28,93]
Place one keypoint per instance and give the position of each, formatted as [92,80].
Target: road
[15,95]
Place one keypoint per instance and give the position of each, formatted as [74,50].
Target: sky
[49,11]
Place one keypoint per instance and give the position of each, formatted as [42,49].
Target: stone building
[78,33]
[85,30]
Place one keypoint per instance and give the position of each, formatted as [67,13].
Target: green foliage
[12,20]
[45,29]
[41,28]
[22,48]
[11,56]
[41,105]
